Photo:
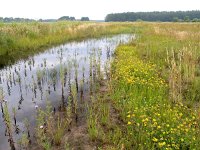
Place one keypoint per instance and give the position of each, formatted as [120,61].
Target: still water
[26,85]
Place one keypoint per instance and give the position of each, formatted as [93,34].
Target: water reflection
[55,74]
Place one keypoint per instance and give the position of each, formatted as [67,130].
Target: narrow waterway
[26,85]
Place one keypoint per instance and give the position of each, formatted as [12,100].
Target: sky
[94,9]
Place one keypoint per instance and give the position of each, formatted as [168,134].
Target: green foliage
[51,128]
[23,142]
[85,19]
[20,40]
[11,19]
[92,125]
[66,18]
[162,61]
[142,75]
[154,16]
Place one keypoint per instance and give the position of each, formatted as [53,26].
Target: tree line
[11,19]
[165,16]
[73,18]
[63,18]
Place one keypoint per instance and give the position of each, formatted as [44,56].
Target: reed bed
[20,40]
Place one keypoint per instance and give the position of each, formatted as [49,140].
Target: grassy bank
[146,98]
[152,97]
[20,40]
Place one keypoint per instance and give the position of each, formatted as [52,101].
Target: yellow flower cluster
[167,126]
[141,95]
[134,71]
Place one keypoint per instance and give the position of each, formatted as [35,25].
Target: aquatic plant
[9,129]
[23,142]
[21,40]
[1,99]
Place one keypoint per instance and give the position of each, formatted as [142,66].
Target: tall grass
[153,88]
[152,100]
[20,40]
[154,74]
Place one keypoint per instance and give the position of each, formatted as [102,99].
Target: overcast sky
[94,9]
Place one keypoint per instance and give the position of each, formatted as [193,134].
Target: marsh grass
[23,142]
[56,129]
[9,128]
[152,85]
[93,123]
[179,71]
[1,99]
[153,88]
[175,79]
[74,99]
[20,40]
[51,127]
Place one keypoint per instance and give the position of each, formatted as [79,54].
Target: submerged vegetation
[143,95]
[20,40]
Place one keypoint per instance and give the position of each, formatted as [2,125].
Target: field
[153,87]
[144,96]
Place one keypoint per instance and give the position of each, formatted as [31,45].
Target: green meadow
[147,96]
[153,87]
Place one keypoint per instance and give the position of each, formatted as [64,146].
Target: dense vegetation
[65,75]
[146,98]
[63,18]
[156,16]
[66,18]
[85,19]
[154,90]
[11,19]
[20,40]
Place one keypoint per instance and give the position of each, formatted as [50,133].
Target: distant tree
[165,16]
[8,19]
[85,19]
[180,20]
[63,18]
[187,18]
[196,20]
[66,18]
[18,19]
[72,18]
[175,19]
[139,20]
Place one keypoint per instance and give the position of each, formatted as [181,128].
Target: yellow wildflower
[158,127]
[128,116]
[161,144]
[155,139]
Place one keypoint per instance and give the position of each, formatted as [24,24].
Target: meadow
[145,95]
[152,99]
